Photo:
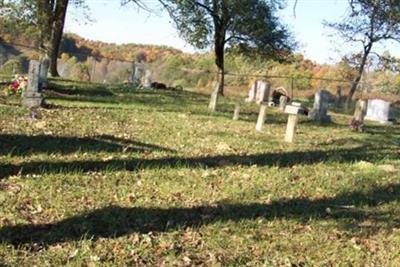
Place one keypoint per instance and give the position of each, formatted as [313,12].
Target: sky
[115,24]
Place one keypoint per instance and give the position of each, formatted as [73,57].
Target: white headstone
[291,128]
[290,109]
[252,93]
[259,92]
[378,110]
[262,92]
[212,106]
[261,117]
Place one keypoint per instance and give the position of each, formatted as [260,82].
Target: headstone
[236,113]
[252,93]
[138,74]
[378,110]
[262,95]
[259,92]
[320,107]
[44,68]
[283,102]
[212,106]
[357,122]
[291,128]
[261,117]
[32,98]
[147,79]
[293,111]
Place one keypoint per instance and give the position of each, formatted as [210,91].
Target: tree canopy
[47,17]
[250,25]
[368,23]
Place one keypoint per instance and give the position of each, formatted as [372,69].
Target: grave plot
[150,178]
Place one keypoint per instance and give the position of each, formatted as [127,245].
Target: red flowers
[17,86]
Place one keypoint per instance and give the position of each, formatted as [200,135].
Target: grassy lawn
[110,176]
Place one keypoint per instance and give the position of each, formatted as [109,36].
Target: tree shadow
[67,91]
[281,159]
[171,101]
[19,145]
[348,210]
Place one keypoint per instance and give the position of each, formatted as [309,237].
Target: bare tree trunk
[219,61]
[56,35]
[212,106]
[219,43]
[357,80]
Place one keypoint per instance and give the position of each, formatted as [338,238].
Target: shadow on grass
[14,144]
[282,159]
[161,100]
[69,90]
[348,209]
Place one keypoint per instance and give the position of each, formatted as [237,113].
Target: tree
[250,25]
[51,17]
[369,22]
[48,17]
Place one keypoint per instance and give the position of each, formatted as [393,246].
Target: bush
[12,66]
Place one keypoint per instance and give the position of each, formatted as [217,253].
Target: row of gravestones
[374,109]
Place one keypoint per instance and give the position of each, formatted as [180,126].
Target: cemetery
[178,175]
[183,166]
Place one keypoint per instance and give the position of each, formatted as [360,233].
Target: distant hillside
[83,59]
[75,45]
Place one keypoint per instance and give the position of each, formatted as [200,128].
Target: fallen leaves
[207,203]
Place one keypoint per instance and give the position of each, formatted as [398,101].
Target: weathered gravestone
[147,79]
[259,92]
[44,68]
[357,122]
[138,74]
[261,117]
[320,107]
[212,106]
[378,110]
[252,93]
[262,95]
[32,97]
[293,111]
[236,112]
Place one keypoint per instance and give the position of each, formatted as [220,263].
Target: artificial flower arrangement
[17,86]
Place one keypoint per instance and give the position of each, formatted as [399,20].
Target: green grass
[112,176]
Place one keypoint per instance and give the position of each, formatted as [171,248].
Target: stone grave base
[315,115]
[32,100]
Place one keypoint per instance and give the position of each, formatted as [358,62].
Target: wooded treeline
[87,60]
